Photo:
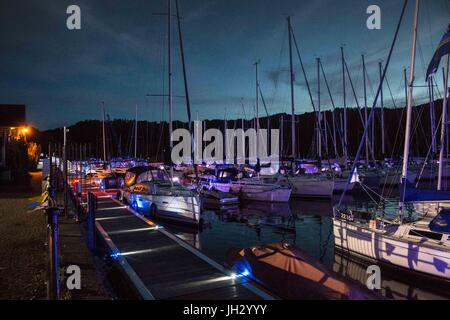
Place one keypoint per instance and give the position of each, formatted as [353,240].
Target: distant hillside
[85,137]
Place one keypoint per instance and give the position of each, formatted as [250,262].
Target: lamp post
[24,132]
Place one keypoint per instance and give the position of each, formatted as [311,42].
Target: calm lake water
[307,225]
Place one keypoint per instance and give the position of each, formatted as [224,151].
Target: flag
[38,201]
[39,207]
[442,49]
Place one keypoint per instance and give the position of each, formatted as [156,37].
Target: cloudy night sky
[120,55]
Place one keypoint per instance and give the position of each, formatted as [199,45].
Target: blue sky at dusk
[120,55]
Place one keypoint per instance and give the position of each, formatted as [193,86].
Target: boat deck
[162,266]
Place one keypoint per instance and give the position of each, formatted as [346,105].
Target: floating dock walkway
[162,266]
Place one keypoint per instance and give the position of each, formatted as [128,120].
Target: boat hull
[339,185]
[256,192]
[312,188]
[400,252]
[182,209]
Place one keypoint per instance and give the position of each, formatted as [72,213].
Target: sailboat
[151,190]
[248,186]
[316,186]
[420,244]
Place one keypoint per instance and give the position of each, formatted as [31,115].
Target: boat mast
[409,105]
[225,127]
[383,151]
[444,123]
[291,70]
[365,108]
[432,115]
[333,119]
[103,131]
[318,115]
[345,144]
[281,135]
[257,111]
[186,91]
[243,130]
[135,133]
[169,61]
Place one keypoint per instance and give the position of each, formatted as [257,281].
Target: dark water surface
[306,224]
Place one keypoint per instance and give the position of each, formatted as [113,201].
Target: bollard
[53,247]
[91,220]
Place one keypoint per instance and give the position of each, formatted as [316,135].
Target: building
[12,126]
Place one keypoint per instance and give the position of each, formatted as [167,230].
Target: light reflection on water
[308,225]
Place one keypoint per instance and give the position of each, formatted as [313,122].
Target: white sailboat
[422,245]
[150,190]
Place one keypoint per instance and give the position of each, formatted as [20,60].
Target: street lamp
[24,132]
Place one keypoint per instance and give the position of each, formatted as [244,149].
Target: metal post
[103,131]
[91,220]
[53,246]
[66,211]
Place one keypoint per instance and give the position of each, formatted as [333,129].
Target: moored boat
[150,191]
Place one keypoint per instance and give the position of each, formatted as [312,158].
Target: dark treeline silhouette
[85,137]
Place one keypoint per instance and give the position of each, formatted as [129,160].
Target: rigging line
[309,90]
[371,148]
[390,93]
[276,80]
[334,108]
[418,125]
[354,93]
[361,144]
[386,200]
[356,100]
[366,188]
[429,151]
[303,70]
[263,101]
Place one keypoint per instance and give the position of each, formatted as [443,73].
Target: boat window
[425,234]
[441,223]
[145,176]
[226,174]
[130,178]
[160,175]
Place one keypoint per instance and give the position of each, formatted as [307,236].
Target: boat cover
[410,193]
[292,274]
